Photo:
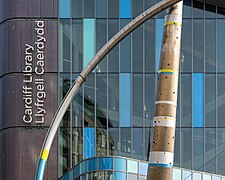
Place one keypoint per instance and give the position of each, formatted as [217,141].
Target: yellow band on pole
[167,70]
[173,23]
[44,154]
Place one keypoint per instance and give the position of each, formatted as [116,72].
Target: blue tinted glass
[176,174]
[143,168]
[120,176]
[64,8]
[120,164]
[82,167]
[105,163]
[198,99]
[206,177]
[132,166]
[196,176]
[125,8]
[89,40]
[71,175]
[159,36]
[186,175]
[76,171]
[125,102]
[89,142]
[66,177]
[91,165]
[216,178]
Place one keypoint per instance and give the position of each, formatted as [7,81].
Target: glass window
[147,146]
[186,46]
[210,45]
[206,177]
[125,142]
[70,175]
[186,96]
[138,145]
[137,100]
[89,143]
[210,150]
[186,175]
[177,159]
[125,50]
[216,178]
[89,8]
[198,45]
[143,168]
[176,174]
[137,8]
[101,39]
[77,145]
[89,40]
[149,101]
[186,148]
[198,100]
[113,8]
[105,163]
[77,45]
[198,10]
[198,149]
[113,100]
[220,100]
[210,11]
[65,42]
[64,8]
[120,164]
[210,100]
[125,100]
[101,8]
[101,100]
[132,177]
[132,166]
[149,45]
[119,176]
[220,12]
[187,11]
[89,101]
[82,167]
[197,176]
[77,9]
[101,141]
[220,150]
[142,178]
[113,56]
[125,8]
[220,45]
[137,50]
[113,139]
[91,164]
[159,36]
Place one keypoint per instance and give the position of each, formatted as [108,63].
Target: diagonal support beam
[164,123]
[164,4]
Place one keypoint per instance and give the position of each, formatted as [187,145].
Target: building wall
[20,142]
[113,112]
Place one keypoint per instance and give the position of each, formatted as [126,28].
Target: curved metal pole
[164,4]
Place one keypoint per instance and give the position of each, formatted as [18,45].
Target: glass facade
[120,168]
[113,111]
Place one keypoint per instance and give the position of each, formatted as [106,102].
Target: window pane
[159,36]
[137,50]
[77,45]
[220,45]
[89,144]
[77,145]
[137,143]
[198,11]
[91,165]
[101,39]
[221,156]
[125,50]
[101,8]
[113,8]
[125,142]
[64,8]
[186,148]
[198,45]
[105,163]
[119,176]
[206,177]
[176,174]
[114,143]
[143,168]
[132,177]
[120,164]
[186,46]
[197,176]
[125,100]
[210,45]
[198,100]
[221,100]
[132,166]
[137,100]
[125,8]
[89,8]
[137,8]
[101,141]
[186,175]
[77,7]
[210,11]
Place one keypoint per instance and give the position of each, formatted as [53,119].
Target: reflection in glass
[176,174]
[186,175]
[105,163]
[120,164]
[132,166]
[120,176]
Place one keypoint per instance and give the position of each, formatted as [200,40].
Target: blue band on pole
[160,165]
[41,169]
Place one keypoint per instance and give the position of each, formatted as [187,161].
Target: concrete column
[164,123]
